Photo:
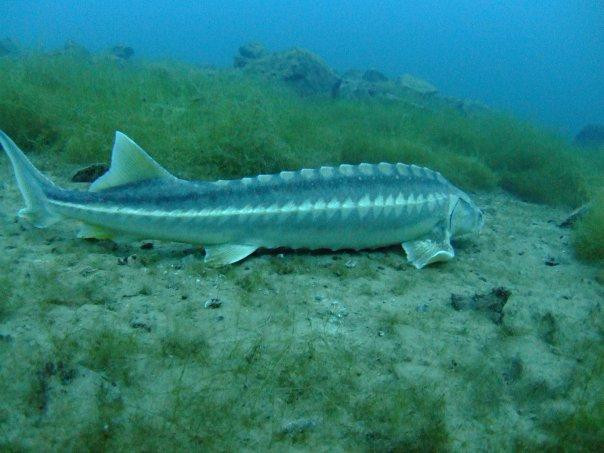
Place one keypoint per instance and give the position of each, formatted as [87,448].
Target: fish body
[348,206]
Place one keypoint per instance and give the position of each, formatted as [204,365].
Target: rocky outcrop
[300,69]
[416,85]
[248,52]
[374,84]
[374,76]
[371,84]
[308,74]
[591,136]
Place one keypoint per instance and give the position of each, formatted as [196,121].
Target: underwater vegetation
[588,237]
[219,123]
[95,381]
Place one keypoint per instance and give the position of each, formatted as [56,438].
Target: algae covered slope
[588,238]
[219,123]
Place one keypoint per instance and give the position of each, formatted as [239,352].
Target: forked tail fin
[32,184]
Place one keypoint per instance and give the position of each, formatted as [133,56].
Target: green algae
[110,351]
[403,418]
[588,235]
[7,288]
[580,425]
[51,286]
[185,344]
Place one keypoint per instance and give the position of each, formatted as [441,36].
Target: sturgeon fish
[344,207]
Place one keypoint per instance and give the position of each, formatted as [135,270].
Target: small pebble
[350,264]
[421,308]
[298,426]
[551,261]
[140,325]
[213,303]
[126,259]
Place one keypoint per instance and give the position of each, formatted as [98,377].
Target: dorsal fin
[129,163]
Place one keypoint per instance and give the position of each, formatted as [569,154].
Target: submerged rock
[128,260]
[248,52]
[374,76]
[308,74]
[300,69]
[374,84]
[355,85]
[90,173]
[551,261]
[416,85]
[213,303]
[122,52]
[252,50]
[591,136]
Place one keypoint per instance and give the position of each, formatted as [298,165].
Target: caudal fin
[32,184]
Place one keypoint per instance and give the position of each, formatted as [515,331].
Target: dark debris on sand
[490,304]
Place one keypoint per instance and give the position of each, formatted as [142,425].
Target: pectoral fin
[223,254]
[426,251]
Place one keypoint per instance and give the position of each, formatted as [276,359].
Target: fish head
[466,218]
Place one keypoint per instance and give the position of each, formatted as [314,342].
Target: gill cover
[466,218]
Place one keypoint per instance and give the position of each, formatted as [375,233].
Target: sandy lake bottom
[139,345]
